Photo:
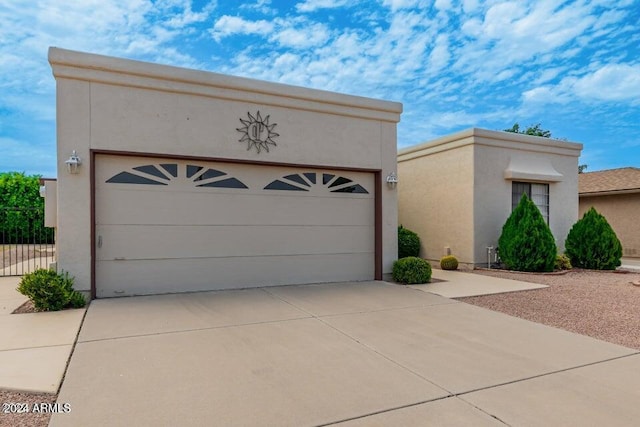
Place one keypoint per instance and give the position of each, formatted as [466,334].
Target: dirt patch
[20,409]
[600,304]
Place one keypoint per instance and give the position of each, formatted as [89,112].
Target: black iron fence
[25,243]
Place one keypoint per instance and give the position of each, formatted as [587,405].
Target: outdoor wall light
[392,180]
[73,163]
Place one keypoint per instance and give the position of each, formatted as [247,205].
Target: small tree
[534,130]
[408,243]
[593,244]
[526,242]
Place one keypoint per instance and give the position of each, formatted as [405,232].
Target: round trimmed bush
[593,244]
[411,270]
[408,243]
[449,262]
[50,291]
[526,242]
[563,263]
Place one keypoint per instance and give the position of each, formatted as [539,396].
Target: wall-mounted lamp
[392,180]
[73,163]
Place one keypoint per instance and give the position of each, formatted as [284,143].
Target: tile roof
[611,180]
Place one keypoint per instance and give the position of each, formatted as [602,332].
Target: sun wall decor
[257,132]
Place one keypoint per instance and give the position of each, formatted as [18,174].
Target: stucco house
[174,180]
[615,193]
[457,191]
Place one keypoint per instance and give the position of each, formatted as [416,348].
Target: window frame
[528,189]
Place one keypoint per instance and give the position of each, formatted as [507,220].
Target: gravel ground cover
[25,409]
[601,304]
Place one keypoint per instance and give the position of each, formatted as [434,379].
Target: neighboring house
[615,193]
[190,180]
[457,191]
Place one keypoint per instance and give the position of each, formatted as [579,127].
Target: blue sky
[573,66]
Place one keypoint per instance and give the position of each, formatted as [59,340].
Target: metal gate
[25,243]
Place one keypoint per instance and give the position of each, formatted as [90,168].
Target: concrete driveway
[354,354]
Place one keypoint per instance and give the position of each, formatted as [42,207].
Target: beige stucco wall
[106,103]
[472,172]
[435,194]
[621,211]
[50,204]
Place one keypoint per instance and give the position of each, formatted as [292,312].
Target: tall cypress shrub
[526,242]
[593,244]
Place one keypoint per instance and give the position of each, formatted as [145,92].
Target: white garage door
[175,226]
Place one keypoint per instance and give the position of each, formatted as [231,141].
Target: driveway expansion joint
[207,328]
[35,347]
[558,371]
[383,411]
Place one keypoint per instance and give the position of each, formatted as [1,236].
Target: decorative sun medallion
[258,133]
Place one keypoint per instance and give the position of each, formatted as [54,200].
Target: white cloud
[547,74]
[470,6]
[545,95]
[612,82]
[440,54]
[400,4]
[311,35]
[443,5]
[262,6]
[231,25]
[313,5]
[608,83]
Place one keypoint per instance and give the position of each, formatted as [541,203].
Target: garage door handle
[99,241]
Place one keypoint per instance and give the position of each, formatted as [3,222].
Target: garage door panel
[174,242]
[187,176]
[122,277]
[126,207]
[168,225]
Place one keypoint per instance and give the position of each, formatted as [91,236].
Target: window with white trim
[538,193]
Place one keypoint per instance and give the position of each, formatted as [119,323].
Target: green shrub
[22,209]
[77,300]
[563,263]
[449,262]
[526,242]
[408,243]
[411,270]
[50,291]
[593,244]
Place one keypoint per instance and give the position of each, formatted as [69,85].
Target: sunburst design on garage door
[304,181]
[165,173]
